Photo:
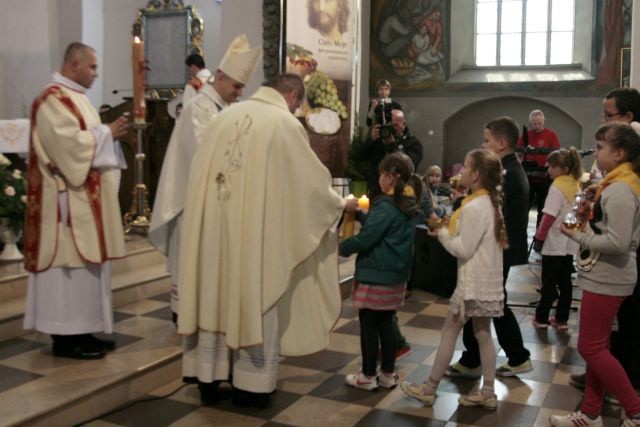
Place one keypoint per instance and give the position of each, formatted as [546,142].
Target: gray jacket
[615,272]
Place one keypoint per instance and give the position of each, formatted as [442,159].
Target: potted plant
[13,200]
[358,168]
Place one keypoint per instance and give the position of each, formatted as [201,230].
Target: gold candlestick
[138,218]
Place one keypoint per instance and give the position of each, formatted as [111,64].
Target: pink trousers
[604,372]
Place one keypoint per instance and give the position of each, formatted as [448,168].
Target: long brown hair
[489,168]
[400,166]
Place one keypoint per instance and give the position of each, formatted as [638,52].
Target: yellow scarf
[408,191]
[568,185]
[453,222]
[623,173]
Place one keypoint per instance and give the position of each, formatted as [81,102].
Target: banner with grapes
[320,46]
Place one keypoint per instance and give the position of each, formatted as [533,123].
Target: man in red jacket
[538,137]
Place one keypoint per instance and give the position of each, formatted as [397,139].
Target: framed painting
[409,43]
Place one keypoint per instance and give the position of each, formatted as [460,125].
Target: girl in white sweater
[476,236]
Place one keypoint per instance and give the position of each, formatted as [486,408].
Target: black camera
[387,131]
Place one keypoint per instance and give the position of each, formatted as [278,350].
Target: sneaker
[578,380]
[360,380]
[403,351]
[507,370]
[458,370]
[631,422]
[477,399]
[418,391]
[560,326]
[388,381]
[573,420]
[538,325]
[611,399]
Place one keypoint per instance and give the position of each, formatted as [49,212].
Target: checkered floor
[311,390]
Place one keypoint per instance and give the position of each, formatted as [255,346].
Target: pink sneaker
[560,326]
[538,325]
[360,380]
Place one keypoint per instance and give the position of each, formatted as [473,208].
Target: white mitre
[240,60]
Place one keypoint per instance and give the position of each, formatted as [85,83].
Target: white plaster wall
[25,56]
[92,22]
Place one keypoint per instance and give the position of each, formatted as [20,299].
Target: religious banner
[14,136]
[320,47]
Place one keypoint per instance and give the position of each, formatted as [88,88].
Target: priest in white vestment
[258,256]
[199,77]
[73,225]
[232,74]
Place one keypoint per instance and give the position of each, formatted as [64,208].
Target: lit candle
[363,203]
[348,222]
[139,105]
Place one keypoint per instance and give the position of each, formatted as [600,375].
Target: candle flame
[136,40]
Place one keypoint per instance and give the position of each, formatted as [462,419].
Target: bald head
[80,64]
[77,51]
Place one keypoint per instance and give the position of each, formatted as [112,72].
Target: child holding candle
[385,251]
[476,235]
[565,168]
[614,233]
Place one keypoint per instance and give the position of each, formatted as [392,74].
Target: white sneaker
[631,422]
[477,399]
[575,419]
[388,381]
[418,391]
[360,380]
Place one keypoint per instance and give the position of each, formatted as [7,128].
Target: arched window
[524,32]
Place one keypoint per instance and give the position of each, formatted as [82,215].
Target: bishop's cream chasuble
[258,231]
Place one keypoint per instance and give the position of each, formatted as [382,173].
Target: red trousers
[604,372]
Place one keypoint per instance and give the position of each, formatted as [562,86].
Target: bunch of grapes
[322,91]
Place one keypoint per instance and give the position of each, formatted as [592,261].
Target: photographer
[384,139]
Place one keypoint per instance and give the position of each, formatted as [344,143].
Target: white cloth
[189,91]
[14,136]
[479,259]
[164,231]
[254,369]
[556,243]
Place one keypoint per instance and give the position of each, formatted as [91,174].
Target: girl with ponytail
[476,235]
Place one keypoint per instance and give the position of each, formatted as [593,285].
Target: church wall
[427,119]
[25,50]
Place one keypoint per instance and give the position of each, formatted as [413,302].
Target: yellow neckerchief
[568,185]
[408,191]
[623,173]
[453,222]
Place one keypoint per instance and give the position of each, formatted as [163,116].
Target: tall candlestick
[139,105]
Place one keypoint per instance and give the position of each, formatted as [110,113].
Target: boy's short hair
[505,128]
[195,59]
[383,82]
